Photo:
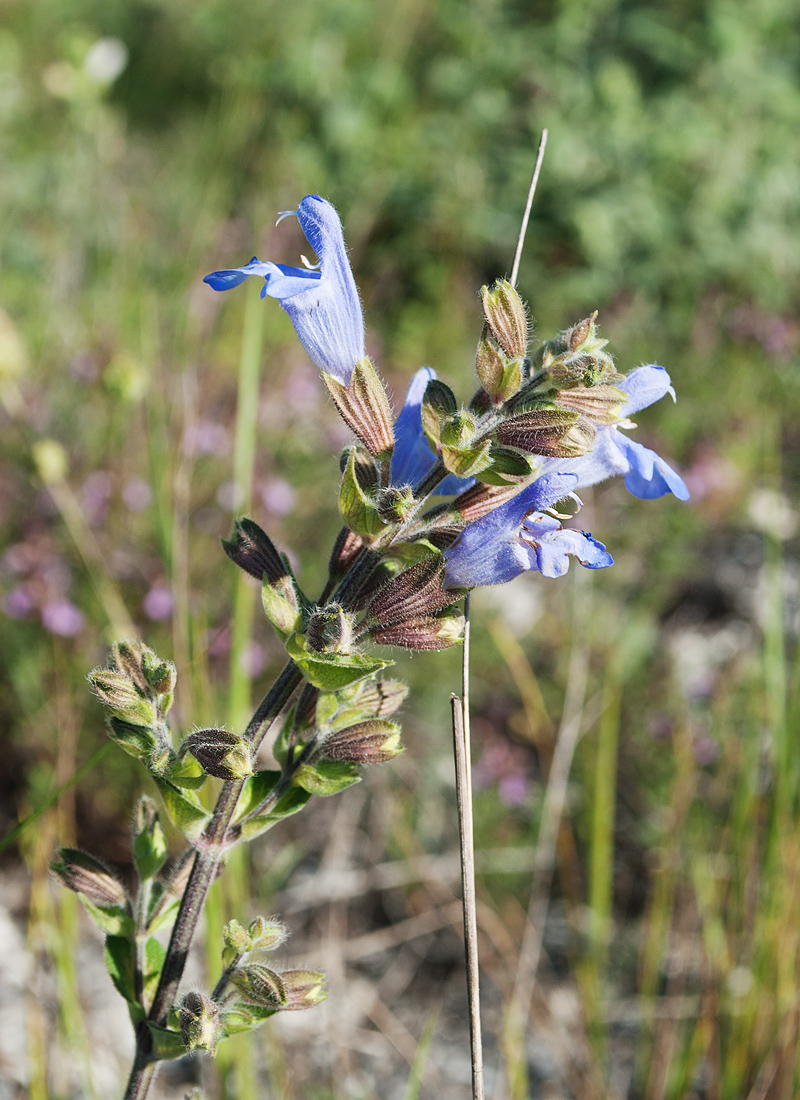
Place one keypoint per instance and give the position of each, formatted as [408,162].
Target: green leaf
[294,800]
[114,921]
[409,553]
[154,955]
[121,965]
[137,741]
[332,671]
[240,1017]
[467,461]
[326,777]
[162,910]
[184,809]
[254,791]
[186,773]
[166,1042]
[284,615]
[357,507]
[507,466]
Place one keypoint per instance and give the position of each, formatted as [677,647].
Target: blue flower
[322,305]
[646,474]
[413,458]
[518,536]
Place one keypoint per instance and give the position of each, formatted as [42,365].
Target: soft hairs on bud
[252,550]
[322,305]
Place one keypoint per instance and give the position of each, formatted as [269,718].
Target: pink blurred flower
[18,602]
[158,602]
[62,617]
[136,494]
[278,496]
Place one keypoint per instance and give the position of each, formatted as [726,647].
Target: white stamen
[285,214]
[308,264]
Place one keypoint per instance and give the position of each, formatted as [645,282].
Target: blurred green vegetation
[670,201]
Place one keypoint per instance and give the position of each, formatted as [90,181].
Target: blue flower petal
[490,551]
[413,458]
[549,551]
[649,476]
[644,386]
[322,305]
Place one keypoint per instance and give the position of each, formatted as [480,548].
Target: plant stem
[142,1074]
[463,763]
[204,871]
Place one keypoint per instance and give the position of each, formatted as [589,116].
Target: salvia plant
[443,499]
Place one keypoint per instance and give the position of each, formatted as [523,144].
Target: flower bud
[149,842]
[124,697]
[506,316]
[365,408]
[260,985]
[414,592]
[267,934]
[346,549]
[600,404]
[537,432]
[252,550]
[489,363]
[90,878]
[304,989]
[481,499]
[330,630]
[372,742]
[237,940]
[222,754]
[424,632]
[199,1021]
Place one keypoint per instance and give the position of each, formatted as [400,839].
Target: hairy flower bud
[267,934]
[489,363]
[600,404]
[237,939]
[260,985]
[252,550]
[372,742]
[199,1021]
[364,406]
[124,697]
[346,549]
[90,878]
[304,989]
[149,842]
[330,630]
[220,753]
[424,632]
[506,316]
[481,499]
[414,592]
[539,431]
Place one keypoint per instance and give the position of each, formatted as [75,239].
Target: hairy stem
[142,1074]
[204,870]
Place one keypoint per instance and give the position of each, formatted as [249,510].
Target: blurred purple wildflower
[278,496]
[62,617]
[157,604]
[18,602]
[136,494]
[322,305]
